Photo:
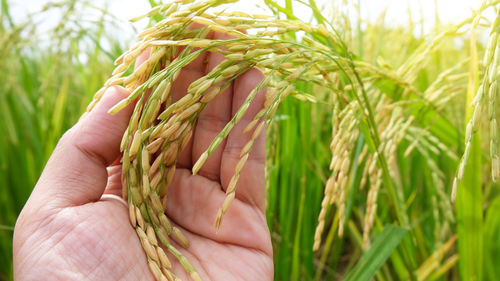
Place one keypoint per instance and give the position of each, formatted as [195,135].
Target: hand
[74,227]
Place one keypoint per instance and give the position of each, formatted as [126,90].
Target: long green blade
[469,196]
[492,241]
[378,253]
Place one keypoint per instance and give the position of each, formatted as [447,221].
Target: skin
[69,231]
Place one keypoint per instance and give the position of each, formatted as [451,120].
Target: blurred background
[54,55]
[395,12]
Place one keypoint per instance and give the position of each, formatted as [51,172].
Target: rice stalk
[484,102]
[160,128]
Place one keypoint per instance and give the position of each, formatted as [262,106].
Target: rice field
[382,145]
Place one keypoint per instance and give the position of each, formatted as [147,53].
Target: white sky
[449,11]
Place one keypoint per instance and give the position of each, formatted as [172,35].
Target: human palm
[69,230]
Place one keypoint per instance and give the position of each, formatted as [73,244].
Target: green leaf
[375,257]
[492,241]
[6,227]
[469,203]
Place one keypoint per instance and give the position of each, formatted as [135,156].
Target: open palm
[69,230]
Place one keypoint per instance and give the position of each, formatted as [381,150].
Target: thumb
[76,172]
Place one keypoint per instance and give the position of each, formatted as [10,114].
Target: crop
[157,137]
[379,130]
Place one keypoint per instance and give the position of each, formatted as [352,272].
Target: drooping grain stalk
[484,102]
[160,128]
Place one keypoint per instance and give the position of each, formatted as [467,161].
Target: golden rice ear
[159,129]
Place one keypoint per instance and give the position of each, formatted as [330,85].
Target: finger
[251,184]
[193,202]
[142,58]
[76,172]
[212,120]
[188,74]
[114,184]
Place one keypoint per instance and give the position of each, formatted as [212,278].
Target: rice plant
[375,164]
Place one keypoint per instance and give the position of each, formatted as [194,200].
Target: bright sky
[449,11]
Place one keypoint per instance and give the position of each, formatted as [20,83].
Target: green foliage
[492,241]
[378,253]
[469,197]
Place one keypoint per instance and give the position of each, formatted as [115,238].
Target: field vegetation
[382,155]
